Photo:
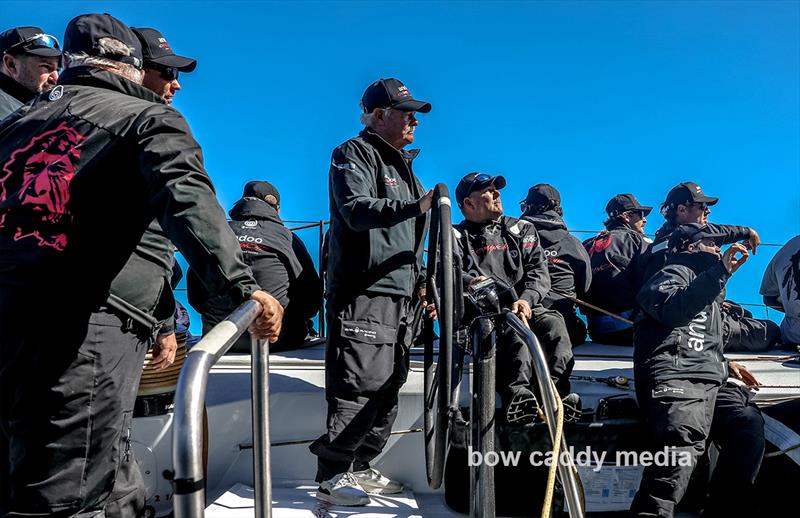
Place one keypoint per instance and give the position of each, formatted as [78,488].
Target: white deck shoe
[343,489]
[375,483]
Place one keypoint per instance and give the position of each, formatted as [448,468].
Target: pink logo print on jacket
[35,186]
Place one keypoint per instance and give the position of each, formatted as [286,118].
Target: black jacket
[280,264]
[93,172]
[655,257]
[12,95]
[567,261]
[377,228]
[679,331]
[615,254]
[507,249]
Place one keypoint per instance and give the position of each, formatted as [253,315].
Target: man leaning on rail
[490,245]
[378,224]
[84,170]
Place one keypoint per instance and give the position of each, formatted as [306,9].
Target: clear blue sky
[596,98]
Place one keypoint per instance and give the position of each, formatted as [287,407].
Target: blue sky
[596,98]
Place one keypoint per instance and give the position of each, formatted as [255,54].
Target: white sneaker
[375,483]
[343,489]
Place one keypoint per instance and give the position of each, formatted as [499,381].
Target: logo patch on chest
[391,182]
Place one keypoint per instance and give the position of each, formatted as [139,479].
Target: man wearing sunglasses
[615,254]
[378,225]
[493,246]
[161,64]
[30,60]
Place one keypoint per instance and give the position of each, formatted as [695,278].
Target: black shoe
[572,408]
[523,408]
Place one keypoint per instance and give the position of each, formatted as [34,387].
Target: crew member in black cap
[491,245]
[161,64]
[686,203]
[30,60]
[90,167]
[378,225]
[615,253]
[280,263]
[567,260]
[678,361]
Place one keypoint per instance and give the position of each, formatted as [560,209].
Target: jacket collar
[93,76]
[15,90]
[664,232]
[475,227]
[254,208]
[372,137]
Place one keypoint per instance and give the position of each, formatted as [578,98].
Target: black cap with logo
[29,40]
[542,194]
[684,235]
[476,182]
[687,192]
[391,93]
[264,191]
[155,49]
[625,203]
[85,31]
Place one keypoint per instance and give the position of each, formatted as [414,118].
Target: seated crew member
[29,61]
[780,289]
[614,255]
[490,245]
[678,361]
[567,260]
[280,263]
[686,203]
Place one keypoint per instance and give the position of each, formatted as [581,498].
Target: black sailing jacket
[567,260]
[655,257]
[507,249]
[377,231]
[679,331]
[87,169]
[280,264]
[615,255]
[12,95]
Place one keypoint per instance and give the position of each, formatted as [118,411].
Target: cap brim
[708,200]
[181,63]
[412,105]
[499,182]
[46,52]
[645,209]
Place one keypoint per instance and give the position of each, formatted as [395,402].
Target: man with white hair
[378,226]
[83,173]
[28,66]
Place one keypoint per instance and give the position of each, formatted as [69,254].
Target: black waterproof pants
[68,382]
[738,432]
[576,328]
[678,415]
[366,364]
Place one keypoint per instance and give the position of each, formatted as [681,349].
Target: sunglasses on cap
[37,41]
[168,73]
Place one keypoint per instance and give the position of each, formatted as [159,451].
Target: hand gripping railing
[572,491]
[187,431]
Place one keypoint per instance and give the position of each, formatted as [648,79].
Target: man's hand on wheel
[268,324]
[521,307]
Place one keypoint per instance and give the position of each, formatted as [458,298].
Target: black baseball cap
[684,235]
[83,33]
[476,182]
[541,194]
[155,49]
[625,203]
[262,190]
[29,40]
[391,93]
[688,192]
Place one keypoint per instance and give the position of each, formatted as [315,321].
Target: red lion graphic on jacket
[34,189]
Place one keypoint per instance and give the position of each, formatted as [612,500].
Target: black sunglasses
[168,73]
[701,205]
[37,41]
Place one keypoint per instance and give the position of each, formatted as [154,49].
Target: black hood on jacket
[664,232]
[254,208]
[93,76]
[547,220]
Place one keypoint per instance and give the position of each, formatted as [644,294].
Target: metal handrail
[567,473]
[187,432]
